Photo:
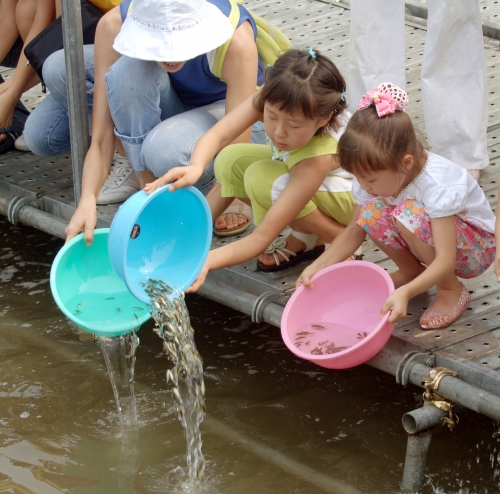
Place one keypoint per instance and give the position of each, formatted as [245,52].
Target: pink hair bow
[387,98]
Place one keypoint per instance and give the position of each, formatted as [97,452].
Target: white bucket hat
[172,30]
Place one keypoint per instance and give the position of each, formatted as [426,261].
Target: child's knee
[224,163]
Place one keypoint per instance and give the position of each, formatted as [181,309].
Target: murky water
[274,425]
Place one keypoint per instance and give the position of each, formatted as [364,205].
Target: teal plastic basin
[89,291]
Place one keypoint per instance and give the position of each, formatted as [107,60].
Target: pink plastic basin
[338,320]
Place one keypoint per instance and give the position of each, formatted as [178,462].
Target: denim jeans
[47,128]
[19,118]
[157,130]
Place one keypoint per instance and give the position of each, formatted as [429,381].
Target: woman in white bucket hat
[161,95]
[181,37]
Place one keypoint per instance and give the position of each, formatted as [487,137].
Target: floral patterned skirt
[475,247]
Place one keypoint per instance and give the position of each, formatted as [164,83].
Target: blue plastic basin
[164,236]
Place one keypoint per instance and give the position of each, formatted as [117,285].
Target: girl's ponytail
[307,82]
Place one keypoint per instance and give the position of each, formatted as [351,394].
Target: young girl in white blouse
[425,212]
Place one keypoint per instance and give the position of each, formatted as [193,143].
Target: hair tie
[342,96]
[386,98]
[311,52]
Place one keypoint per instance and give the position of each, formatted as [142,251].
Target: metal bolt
[429,362]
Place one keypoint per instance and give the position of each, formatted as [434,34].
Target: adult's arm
[8,26]
[24,76]
[100,154]
[240,70]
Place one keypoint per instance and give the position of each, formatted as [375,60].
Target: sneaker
[122,182]
[21,145]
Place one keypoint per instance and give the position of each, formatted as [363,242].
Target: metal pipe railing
[76,91]
[37,219]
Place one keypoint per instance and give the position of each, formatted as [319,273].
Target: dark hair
[299,82]
[372,143]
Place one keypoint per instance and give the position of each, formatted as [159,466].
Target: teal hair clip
[311,52]
[342,96]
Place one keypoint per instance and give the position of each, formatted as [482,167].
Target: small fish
[175,391]
[118,309]
[79,306]
[138,308]
[78,311]
[303,333]
[136,316]
[170,376]
[317,326]
[109,298]
[334,349]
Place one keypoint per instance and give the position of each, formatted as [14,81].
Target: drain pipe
[418,424]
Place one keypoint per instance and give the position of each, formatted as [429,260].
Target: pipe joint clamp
[17,204]
[265,299]
[431,382]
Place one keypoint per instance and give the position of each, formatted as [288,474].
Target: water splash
[119,355]
[186,376]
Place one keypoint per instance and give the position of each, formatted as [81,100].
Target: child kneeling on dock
[425,212]
[295,180]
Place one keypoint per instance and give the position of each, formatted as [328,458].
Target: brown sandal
[238,208]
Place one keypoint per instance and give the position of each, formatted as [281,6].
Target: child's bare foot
[449,305]
[235,219]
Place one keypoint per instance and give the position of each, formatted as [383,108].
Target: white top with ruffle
[445,189]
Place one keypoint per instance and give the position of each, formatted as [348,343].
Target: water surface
[274,425]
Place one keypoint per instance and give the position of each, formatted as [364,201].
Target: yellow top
[105,5]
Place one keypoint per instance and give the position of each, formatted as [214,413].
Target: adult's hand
[496,266]
[178,177]
[7,105]
[83,220]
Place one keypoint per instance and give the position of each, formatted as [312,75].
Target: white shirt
[445,189]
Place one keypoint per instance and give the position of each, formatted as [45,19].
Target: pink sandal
[437,319]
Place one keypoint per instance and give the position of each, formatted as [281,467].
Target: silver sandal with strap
[278,247]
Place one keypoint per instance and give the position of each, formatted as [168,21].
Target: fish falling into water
[186,376]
